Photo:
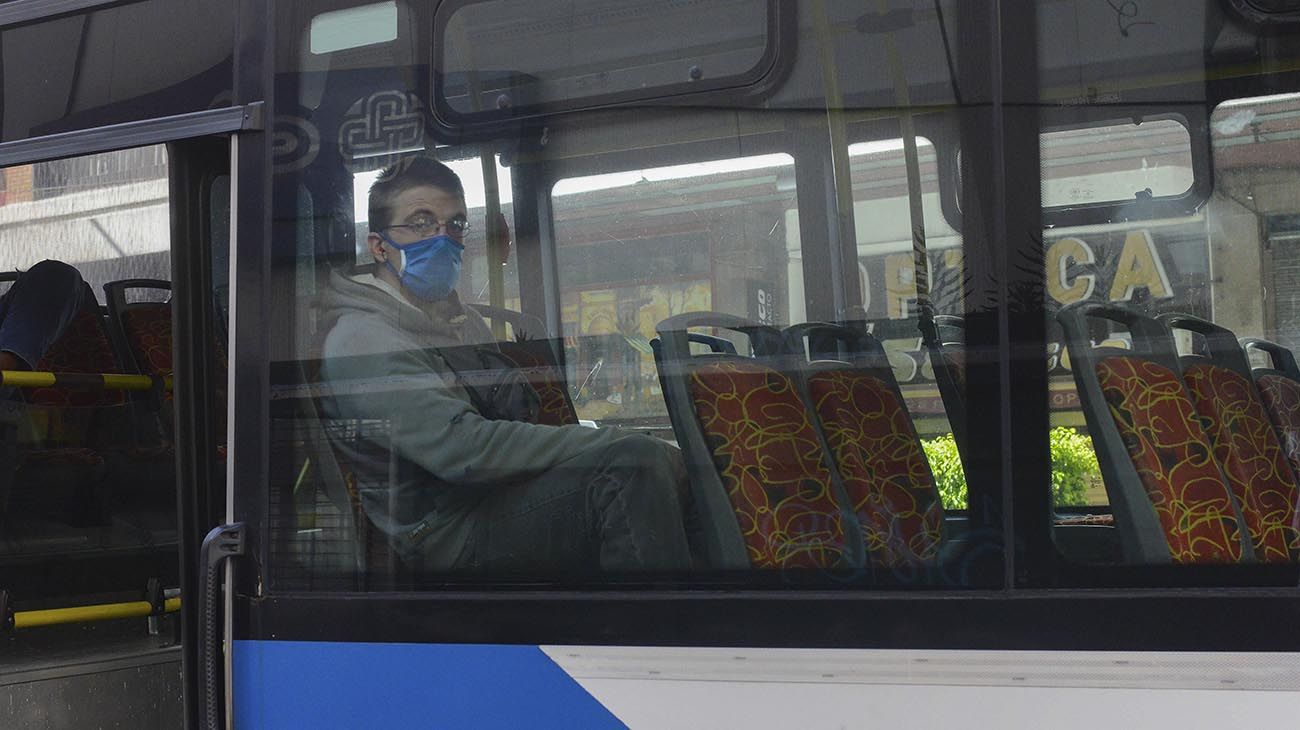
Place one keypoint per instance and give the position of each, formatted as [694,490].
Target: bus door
[115,200]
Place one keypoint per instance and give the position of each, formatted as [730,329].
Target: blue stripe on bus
[307,684]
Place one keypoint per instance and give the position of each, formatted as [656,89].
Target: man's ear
[376,246]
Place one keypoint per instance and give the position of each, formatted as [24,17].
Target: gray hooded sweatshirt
[421,454]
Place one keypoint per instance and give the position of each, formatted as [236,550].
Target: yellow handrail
[82,614]
[109,381]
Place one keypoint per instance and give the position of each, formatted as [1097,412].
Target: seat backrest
[83,348]
[1170,499]
[1218,377]
[539,360]
[944,338]
[143,333]
[325,445]
[74,416]
[760,471]
[1279,388]
[860,409]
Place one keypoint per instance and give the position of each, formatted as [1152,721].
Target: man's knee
[644,452]
[652,468]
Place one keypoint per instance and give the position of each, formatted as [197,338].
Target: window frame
[744,89]
[1038,605]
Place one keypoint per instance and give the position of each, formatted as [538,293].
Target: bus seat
[1279,387]
[759,469]
[538,358]
[83,348]
[143,333]
[944,339]
[141,330]
[60,416]
[57,466]
[353,538]
[1218,377]
[860,409]
[1170,499]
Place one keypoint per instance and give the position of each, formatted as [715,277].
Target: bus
[959,336]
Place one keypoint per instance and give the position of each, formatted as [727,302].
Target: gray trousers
[625,507]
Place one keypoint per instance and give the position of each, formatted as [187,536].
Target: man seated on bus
[36,310]
[466,492]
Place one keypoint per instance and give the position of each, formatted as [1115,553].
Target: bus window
[1165,445]
[1116,163]
[88,470]
[660,405]
[578,53]
[636,247]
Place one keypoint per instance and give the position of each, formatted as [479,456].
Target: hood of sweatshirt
[444,322]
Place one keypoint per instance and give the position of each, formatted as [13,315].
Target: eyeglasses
[424,226]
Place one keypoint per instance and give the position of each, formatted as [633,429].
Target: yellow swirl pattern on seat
[885,472]
[1248,451]
[1173,458]
[770,461]
[1282,399]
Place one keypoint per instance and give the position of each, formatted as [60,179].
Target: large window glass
[1116,163]
[626,386]
[595,52]
[87,475]
[1170,344]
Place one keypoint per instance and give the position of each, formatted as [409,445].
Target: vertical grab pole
[911,158]
[497,250]
[839,144]
[496,255]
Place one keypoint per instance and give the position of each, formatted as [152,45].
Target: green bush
[1074,468]
[948,475]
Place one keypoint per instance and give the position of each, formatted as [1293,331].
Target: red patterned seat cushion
[1248,451]
[885,472]
[555,407]
[149,333]
[771,464]
[1173,459]
[148,328]
[83,348]
[1282,400]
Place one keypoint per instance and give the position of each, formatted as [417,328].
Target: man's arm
[433,427]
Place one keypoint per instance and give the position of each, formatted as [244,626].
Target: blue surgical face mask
[430,267]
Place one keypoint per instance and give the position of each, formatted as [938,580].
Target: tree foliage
[1074,468]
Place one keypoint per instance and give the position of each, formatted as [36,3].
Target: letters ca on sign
[1072,276]
[1075,272]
